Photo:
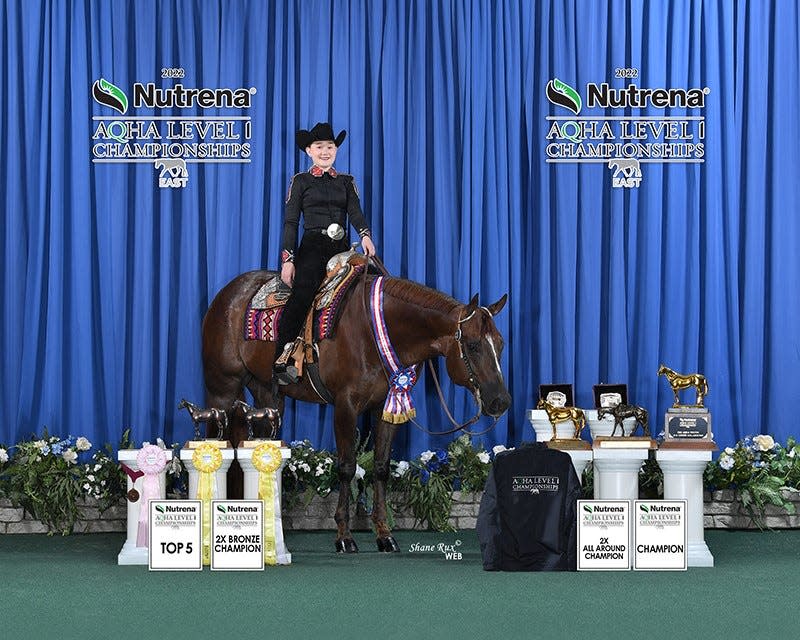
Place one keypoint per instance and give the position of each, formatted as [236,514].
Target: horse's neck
[419,332]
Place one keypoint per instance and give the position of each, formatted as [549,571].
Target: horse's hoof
[387,545]
[346,545]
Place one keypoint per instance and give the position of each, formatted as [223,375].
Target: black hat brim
[305,138]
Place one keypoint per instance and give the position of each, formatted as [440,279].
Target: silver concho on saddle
[273,293]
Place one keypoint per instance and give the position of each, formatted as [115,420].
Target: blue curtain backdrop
[106,277]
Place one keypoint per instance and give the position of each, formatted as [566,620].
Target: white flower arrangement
[402,469]
[426,456]
[83,444]
[483,456]
[70,456]
[764,443]
[3,456]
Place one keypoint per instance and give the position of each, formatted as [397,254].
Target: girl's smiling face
[322,153]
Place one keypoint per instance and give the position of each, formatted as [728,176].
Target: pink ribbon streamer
[151,460]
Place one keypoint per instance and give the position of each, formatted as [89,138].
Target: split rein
[476,393]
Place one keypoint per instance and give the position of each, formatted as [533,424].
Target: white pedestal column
[616,473]
[683,480]
[245,458]
[580,459]
[220,476]
[130,553]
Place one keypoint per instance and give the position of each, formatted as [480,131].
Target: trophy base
[568,444]
[688,445]
[219,444]
[624,442]
[252,444]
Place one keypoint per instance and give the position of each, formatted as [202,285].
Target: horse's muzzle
[498,405]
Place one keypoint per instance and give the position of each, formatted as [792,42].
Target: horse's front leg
[384,434]
[344,422]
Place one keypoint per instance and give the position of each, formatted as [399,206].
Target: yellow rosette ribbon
[207,459]
[267,460]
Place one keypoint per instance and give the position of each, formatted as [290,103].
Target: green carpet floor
[63,588]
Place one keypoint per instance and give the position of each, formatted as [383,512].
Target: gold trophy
[565,414]
[687,426]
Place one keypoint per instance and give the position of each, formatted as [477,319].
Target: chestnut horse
[422,323]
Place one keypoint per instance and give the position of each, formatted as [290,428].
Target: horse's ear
[497,307]
[473,304]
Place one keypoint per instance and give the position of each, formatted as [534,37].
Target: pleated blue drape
[106,277]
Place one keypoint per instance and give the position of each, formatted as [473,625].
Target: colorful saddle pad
[264,311]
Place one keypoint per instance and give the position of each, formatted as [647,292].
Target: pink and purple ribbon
[399,407]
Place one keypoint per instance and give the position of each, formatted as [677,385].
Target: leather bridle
[458,336]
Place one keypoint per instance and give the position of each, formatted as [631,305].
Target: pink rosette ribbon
[151,460]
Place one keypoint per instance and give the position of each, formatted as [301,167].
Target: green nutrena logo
[587,508]
[562,94]
[160,508]
[221,508]
[110,95]
[644,508]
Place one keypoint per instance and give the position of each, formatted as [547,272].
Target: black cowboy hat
[321,131]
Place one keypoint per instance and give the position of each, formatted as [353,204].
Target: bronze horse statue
[563,414]
[422,323]
[213,414]
[265,413]
[680,381]
[621,412]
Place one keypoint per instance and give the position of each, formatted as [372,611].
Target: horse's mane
[415,293]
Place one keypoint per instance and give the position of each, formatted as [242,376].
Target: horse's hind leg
[384,434]
[264,397]
[344,420]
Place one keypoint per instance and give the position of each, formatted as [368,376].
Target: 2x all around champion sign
[625,127]
[171,142]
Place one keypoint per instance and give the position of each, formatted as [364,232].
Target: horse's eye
[474,347]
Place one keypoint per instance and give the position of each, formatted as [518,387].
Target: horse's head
[474,359]
[663,370]
[183,404]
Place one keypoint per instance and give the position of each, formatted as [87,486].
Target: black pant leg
[310,262]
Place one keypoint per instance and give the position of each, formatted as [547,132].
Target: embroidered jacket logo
[535,484]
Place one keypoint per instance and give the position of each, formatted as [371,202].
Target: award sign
[237,534]
[175,535]
[660,535]
[604,535]
[688,423]
[688,428]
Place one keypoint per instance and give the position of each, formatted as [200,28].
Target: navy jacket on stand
[527,518]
